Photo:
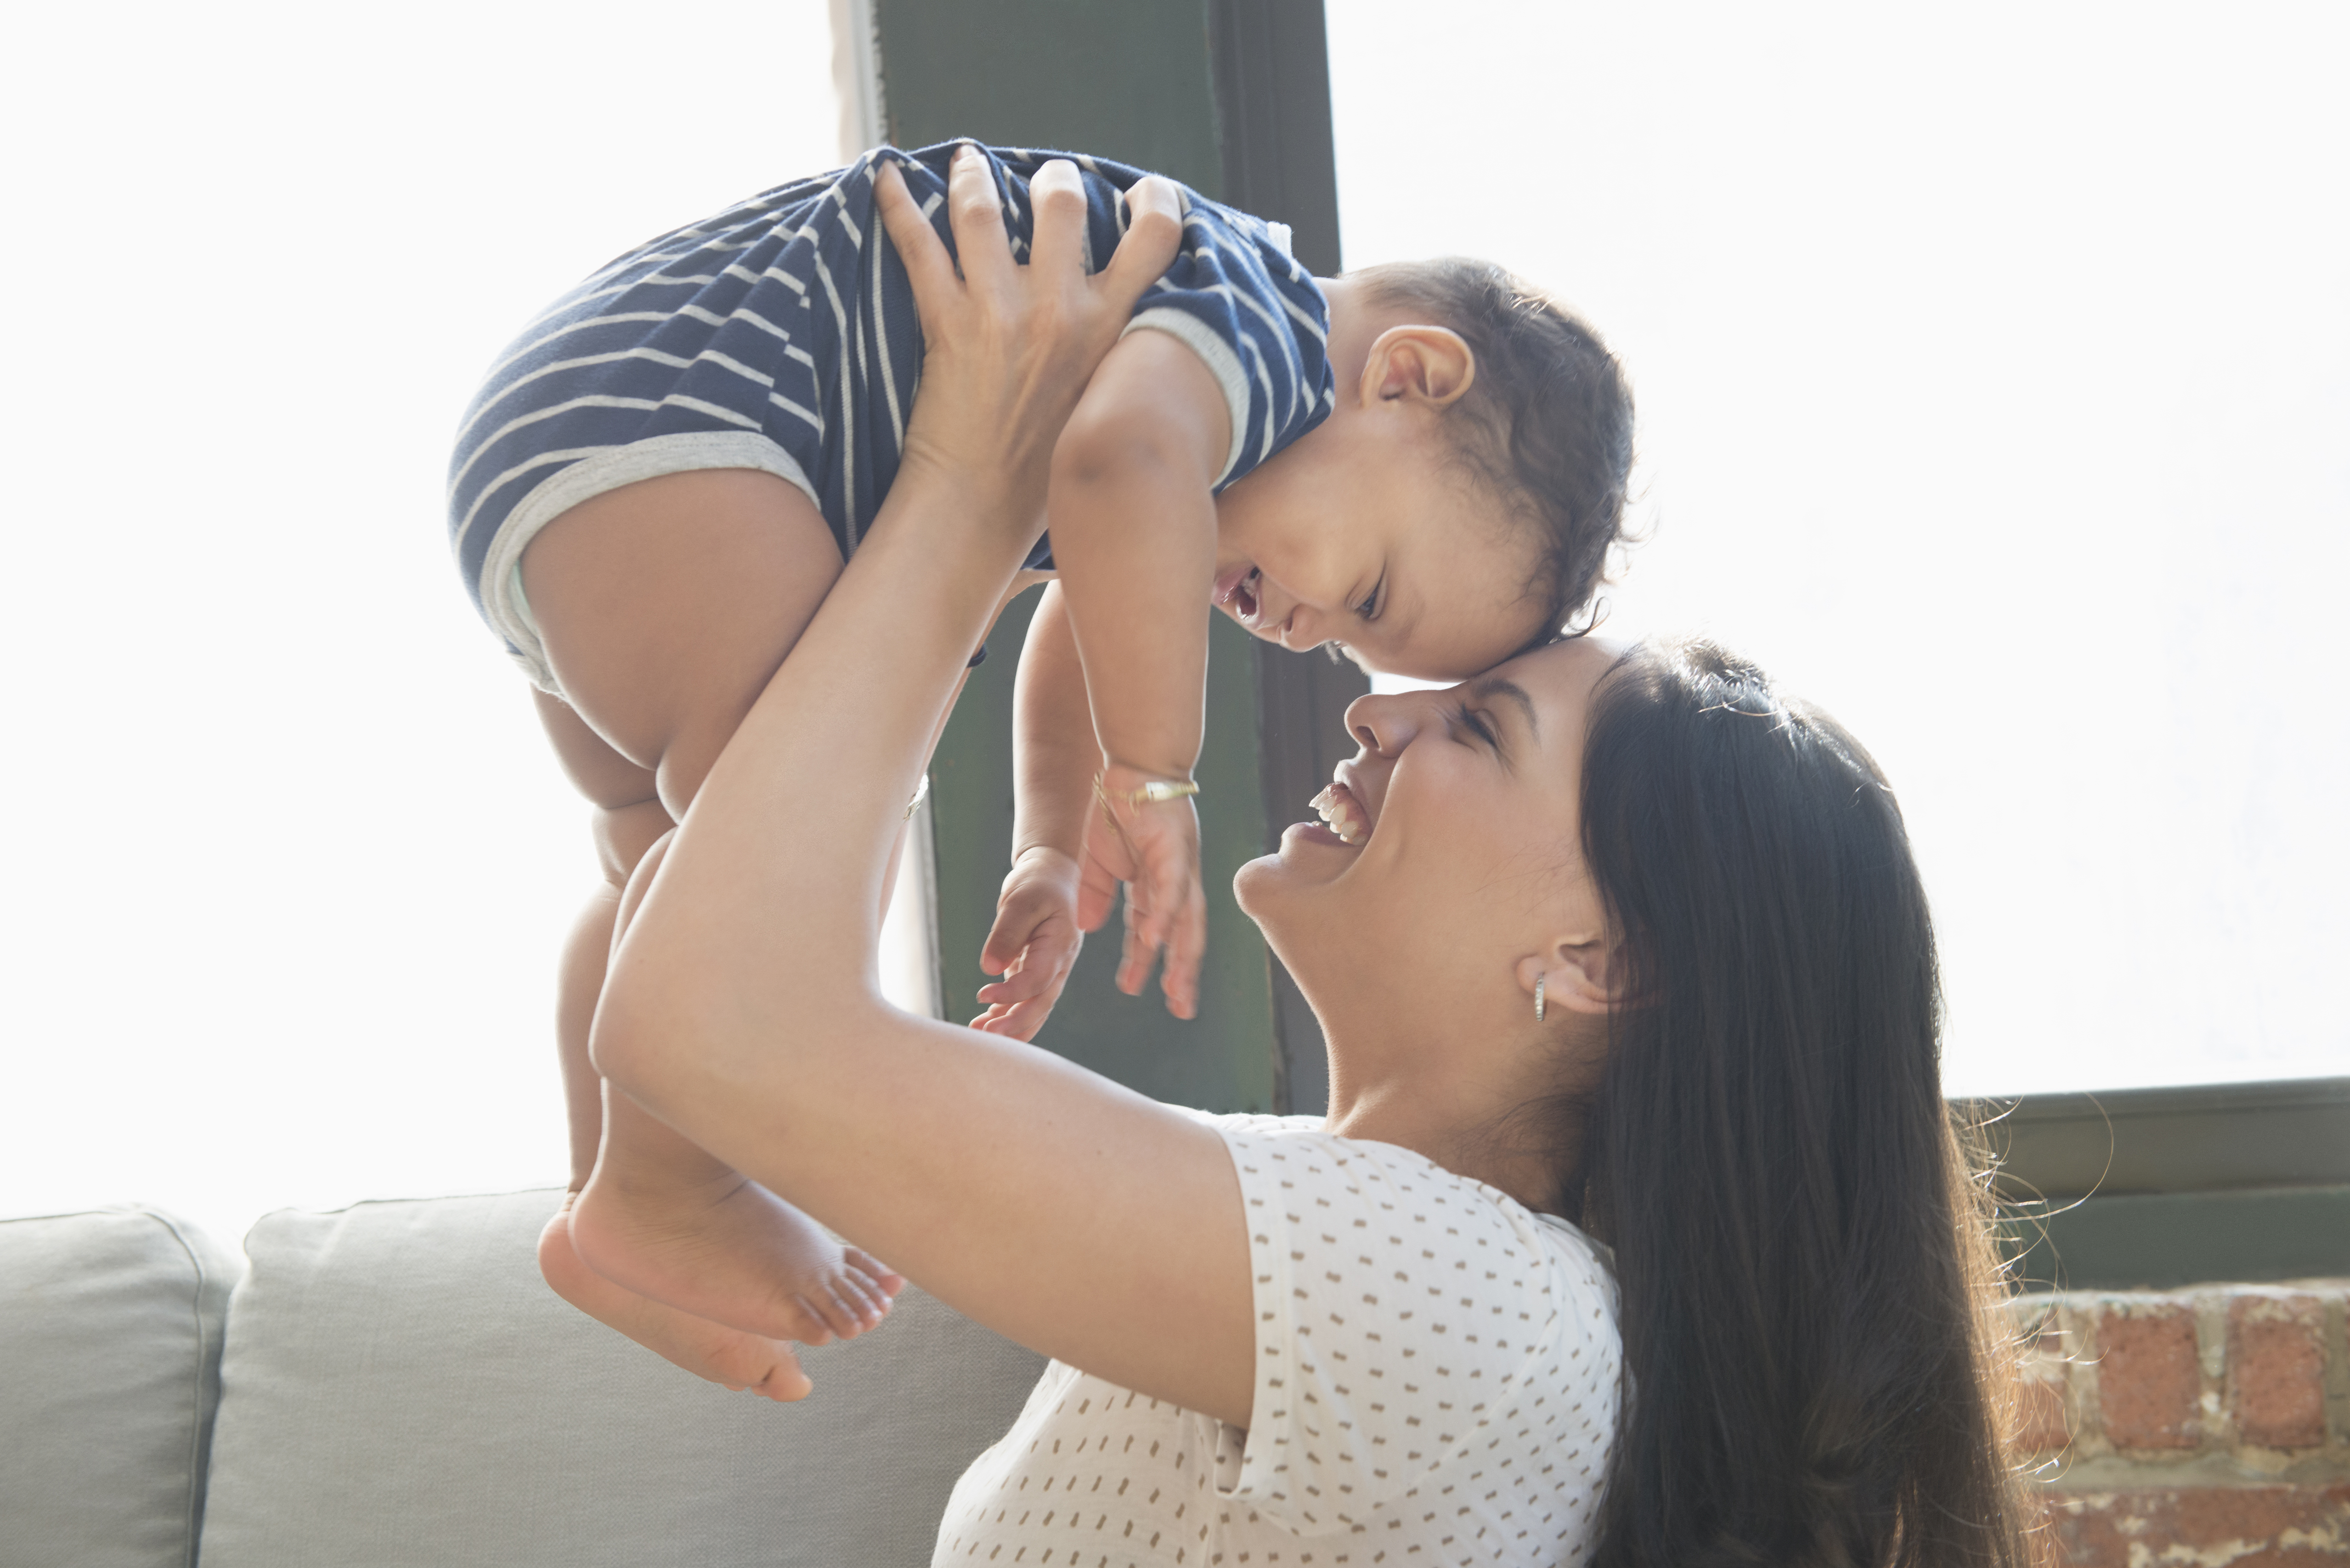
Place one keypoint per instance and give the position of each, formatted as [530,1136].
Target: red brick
[2244,1527]
[2276,1369]
[2148,1381]
[2040,1424]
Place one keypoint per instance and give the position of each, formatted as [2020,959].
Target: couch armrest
[109,1361]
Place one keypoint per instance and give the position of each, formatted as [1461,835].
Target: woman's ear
[1431,365]
[1580,976]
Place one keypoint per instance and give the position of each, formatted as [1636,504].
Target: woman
[1620,940]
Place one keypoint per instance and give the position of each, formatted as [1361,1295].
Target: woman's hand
[1008,347]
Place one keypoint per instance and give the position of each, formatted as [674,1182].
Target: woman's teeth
[1343,813]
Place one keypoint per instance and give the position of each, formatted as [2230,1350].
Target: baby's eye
[1369,608]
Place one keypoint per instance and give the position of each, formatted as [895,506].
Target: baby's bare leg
[628,821]
[665,607]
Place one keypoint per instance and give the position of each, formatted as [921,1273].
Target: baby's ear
[1433,365]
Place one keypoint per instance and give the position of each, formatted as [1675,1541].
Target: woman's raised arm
[741,1006]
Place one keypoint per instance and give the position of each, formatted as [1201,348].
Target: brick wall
[2203,1428]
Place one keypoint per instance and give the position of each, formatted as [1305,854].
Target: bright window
[291,863]
[1993,383]
[1994,368]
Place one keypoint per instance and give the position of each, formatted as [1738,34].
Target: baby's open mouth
[1237,590]
[1343,813]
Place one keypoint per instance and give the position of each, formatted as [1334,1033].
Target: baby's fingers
[1097,893]
[1142,941]
[1187,942]
[1018,984]
[1177,922]
[1038,968]
[1016,929]
[1017,1019]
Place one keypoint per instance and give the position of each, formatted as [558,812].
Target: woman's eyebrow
[1495,686]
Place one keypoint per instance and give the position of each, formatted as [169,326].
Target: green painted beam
[1128,79]
[2153,1241]
[2158,1187]
[1225,1059]
[2202,1138]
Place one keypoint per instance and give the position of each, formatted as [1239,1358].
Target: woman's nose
[1384,721]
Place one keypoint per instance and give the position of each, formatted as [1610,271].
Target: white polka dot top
[1436,1375]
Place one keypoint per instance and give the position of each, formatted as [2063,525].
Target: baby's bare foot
[709,1350]
[731,1252]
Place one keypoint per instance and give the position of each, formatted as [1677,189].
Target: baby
[1422,463]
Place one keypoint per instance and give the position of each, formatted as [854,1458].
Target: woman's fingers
[1056,199]
[929,268]
[1009,349]
[1154,228]
[975,208]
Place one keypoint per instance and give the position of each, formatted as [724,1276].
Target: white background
[293,861]
[1993,367]
[1992,381]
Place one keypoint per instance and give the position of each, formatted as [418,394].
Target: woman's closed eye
[1464,717]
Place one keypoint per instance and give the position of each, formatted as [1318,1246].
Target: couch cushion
[400,1387]
[109,1361]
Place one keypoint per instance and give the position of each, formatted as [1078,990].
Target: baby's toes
[862,1290]
[763,1368]
[838,1306]
[882,1279]
[862,1295]
[813,1327]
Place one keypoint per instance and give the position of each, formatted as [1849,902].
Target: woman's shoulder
[1368,1179]
[1431,1318]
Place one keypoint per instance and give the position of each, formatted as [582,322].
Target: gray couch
[393,1385]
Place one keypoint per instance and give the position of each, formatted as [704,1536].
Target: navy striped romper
[774,337]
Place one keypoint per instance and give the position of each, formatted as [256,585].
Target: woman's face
[1455,853]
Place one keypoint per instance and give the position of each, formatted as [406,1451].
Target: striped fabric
[774,337]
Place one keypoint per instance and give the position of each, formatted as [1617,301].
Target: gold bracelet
[1158,791]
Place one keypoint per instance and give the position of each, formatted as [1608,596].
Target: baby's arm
[1038,917]
[1133,518]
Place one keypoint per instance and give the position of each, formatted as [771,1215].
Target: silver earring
[1540,981]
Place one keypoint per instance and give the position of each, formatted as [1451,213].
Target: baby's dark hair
[1549,426]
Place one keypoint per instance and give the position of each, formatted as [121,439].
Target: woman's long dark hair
[1802,1250]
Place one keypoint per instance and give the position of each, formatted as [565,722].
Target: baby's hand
[1153,848]
[1034,942]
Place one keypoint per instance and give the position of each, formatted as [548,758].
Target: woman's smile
[1346,817]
